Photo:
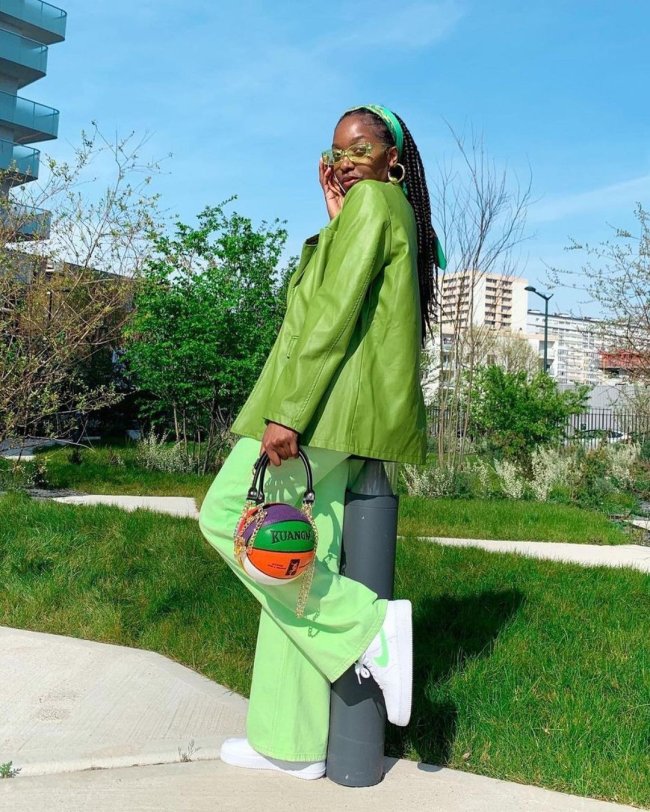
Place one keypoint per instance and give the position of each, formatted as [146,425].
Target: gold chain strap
[308,575]
[241,546]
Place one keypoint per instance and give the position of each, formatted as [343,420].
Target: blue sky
[244,95]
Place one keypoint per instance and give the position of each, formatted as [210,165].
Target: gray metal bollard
[355,755]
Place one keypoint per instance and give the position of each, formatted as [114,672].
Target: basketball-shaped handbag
[275,542]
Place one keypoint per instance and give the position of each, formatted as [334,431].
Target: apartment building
[579,349]
[575,346]
[27,29]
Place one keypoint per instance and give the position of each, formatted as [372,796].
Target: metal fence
[633,424]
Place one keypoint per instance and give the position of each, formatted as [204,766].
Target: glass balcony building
[38,20]
[27,29]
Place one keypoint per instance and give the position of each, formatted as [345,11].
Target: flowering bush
[610,478]
[155,454]
[549,467]
[511,478]
[431,482]
[21,475]
[622,459]
[482,475]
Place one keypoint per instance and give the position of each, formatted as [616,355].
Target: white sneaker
[389,661]
[239,753]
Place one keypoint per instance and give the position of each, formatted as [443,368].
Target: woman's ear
[392,156]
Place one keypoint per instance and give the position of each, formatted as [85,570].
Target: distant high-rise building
[575,346]
[471,298]
[580,349]
[27,28]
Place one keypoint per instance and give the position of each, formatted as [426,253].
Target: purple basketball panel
[277,512]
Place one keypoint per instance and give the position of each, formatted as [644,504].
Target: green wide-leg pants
[296,658]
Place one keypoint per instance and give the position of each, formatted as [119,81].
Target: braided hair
[418,196]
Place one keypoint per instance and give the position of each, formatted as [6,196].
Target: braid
[418,196]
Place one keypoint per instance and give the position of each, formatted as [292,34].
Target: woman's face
[369,159]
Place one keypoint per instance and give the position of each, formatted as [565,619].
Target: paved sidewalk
[70,705]
[589,555]
[215,787]
[174,505]
[620,555]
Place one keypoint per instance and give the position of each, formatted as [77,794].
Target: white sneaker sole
[308,771]
[404,623]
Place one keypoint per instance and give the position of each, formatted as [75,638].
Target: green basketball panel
[290,536]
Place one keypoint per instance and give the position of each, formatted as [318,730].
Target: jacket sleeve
[358,253]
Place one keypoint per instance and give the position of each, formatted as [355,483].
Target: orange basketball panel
[280,565]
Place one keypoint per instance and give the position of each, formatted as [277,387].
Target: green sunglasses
[357,154]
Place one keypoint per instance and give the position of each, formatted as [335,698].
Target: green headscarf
[390,119]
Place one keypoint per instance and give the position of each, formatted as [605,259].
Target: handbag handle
[256,491]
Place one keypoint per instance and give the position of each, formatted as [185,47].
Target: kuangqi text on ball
[290,535]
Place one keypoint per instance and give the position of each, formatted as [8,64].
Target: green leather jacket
[344,370]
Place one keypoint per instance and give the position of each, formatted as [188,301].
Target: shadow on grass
[446,632]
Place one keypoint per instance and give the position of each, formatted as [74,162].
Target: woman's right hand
[333,193]
[279,442]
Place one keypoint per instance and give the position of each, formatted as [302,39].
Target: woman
[342,379]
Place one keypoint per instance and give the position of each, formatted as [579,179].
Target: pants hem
[271,752]
[343,665]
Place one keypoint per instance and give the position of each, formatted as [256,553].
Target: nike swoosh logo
[382,660]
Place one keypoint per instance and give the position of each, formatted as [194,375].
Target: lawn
[525,670]
[114,469]
[510,519]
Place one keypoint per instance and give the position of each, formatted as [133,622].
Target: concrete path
[620,555]
[69,705]
[216,787]
[635,556]
[174,505]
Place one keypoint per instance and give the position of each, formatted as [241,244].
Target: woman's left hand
[280,443]
[334,194]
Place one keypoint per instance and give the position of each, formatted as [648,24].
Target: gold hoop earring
[402,173]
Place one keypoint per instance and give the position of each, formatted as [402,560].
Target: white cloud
[613,197]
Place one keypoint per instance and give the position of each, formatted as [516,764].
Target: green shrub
[513,414]
[644,450]
[610,478]
[18,475]
[592,486]
[641,479]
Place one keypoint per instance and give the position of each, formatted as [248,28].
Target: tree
[64,293]
[207,310]
[513,353]
[513,414]
[481,214]
[616,276]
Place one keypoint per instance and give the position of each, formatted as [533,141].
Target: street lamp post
[546,297]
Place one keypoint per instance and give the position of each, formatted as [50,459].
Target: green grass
[99,474]
[457,518]
[510,520]
[525,670]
